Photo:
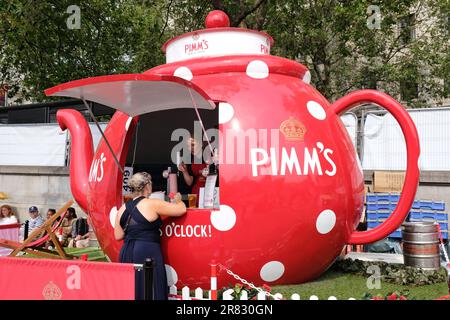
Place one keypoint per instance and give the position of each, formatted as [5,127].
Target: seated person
[195,173]
[35,220]
[80,234]
[50,213]
[66,226]
[7,215]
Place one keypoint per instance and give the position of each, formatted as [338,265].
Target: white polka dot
[112,216]
[314,298]
[316,110]
[257,69]
[127,124]
[332,298]
[171,274]
[295,296]
[272,271]
[326,221]
[184,73]
[226,112]
[307,77]
[223,219]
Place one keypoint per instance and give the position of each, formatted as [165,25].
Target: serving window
[161,140]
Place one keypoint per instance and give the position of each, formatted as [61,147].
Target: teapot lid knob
[217,19]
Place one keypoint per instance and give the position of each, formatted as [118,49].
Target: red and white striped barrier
[213,282]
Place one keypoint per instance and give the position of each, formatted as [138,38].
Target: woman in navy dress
[137,223]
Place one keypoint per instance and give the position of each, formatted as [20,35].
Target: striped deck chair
[44,233]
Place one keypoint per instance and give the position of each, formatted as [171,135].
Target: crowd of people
[72,231]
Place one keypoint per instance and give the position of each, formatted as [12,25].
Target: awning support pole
[201,121]
[103,135]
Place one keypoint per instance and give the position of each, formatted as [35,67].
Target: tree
[342,42]
[39,47]
[345,52]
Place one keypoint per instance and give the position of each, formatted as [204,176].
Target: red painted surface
[217,19]
[288,228]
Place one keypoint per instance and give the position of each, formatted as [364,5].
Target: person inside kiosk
[179,153]
[196,172]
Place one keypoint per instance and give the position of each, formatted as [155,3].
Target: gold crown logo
[293,129]
[52,292]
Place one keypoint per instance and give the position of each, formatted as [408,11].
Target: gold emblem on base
[52,292]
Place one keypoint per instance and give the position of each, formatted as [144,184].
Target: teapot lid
[218,39]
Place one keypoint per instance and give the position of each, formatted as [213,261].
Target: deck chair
[44,233]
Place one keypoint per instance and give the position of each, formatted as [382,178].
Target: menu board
[128,172]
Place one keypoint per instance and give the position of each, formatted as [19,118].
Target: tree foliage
[39,50]
[333,38]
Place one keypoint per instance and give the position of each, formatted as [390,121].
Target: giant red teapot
[288,209]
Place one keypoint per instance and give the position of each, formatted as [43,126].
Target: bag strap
[131,210]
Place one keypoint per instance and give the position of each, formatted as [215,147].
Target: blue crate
[435,215]
[396,234]
[445,235]
[443,225]
[428,204]
[415,215]
[383,215]
[371,197]
[371,215]
[382,197]
[372,224]
[441,216]
[416,204]
[429,215]
[438,205]
[374,206]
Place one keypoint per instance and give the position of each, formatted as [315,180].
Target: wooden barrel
[421,245]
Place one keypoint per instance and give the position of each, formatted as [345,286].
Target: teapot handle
[412,169]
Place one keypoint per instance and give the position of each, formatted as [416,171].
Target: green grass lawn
[345,285]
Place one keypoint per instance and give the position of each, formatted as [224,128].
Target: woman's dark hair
[53,211]
[72,214]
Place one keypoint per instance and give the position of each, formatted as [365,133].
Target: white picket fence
[228,295]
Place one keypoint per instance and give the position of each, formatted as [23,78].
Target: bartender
[194,174]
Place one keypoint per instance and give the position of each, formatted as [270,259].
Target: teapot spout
[81,153]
